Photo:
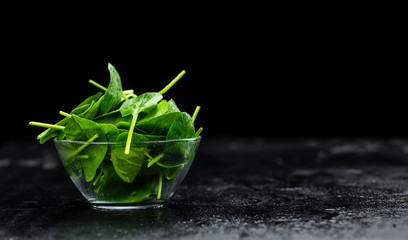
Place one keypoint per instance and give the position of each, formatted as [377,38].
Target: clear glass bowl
[110,179]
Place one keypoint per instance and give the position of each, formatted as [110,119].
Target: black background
[275,74]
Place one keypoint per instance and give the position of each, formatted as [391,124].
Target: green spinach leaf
[159,125]
[143,103]
[158,110]
[127,166]
[112,188]
[82,107]
[172,107]
[80,129]
[113,94]
[177,151]
[111,132]
[182,127]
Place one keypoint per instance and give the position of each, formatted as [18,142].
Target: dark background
[265,74]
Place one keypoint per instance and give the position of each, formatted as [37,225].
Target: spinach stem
[174,81]
[98,177]
[104,88]
[82,147]
[155,159]
[159,190]
[129,93]
[65,114]
[196,113]
[131,129]
[198,132]
[46,125]
[46,131]
[43,133]
[148,155]
[97,85]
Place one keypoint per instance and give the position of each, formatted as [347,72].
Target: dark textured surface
[236,189]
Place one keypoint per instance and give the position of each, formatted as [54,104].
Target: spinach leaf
[83,106]
[80,129]
[127,166]
[112,188]
[81,109]
[159,125]
[123,125]
[182,127]
[113,94]
[174,125]
[143,103]
[177,151]
[111,132]
[113,118]
[93,110]
[135,138]
[172,107]
[160,109]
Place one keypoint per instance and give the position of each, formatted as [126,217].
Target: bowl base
[125,207]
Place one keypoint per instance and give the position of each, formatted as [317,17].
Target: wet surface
[236,189]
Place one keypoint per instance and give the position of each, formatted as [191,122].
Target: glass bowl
[111,179]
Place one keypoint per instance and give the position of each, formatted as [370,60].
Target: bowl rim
[133,143]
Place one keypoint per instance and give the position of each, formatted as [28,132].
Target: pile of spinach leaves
[133,170]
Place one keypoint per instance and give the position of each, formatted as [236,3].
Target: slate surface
[236,189]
